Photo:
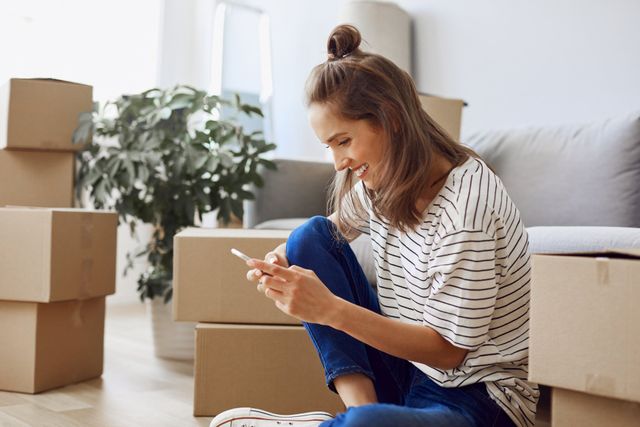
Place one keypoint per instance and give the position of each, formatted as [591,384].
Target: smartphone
[244,257]
[240,254]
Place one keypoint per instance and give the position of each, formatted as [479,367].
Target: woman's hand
[298,292]
[277,256]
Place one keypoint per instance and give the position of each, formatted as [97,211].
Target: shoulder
[470,193]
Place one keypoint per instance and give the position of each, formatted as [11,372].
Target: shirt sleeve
[464,287]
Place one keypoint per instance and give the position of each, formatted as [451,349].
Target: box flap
[48,209]
[430,95]
[249,233]
[49,79]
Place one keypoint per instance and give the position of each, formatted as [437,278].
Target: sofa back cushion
[298,189]
[586,174]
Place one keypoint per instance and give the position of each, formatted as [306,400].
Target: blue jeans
[406,396]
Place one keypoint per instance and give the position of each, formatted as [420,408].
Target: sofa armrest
[556,239]
[298,189]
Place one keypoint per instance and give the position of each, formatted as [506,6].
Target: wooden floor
[136,389]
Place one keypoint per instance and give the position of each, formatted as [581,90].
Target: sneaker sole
[258,414]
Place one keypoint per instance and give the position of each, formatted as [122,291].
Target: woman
[445,340]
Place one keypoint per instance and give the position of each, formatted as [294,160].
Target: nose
[340,163]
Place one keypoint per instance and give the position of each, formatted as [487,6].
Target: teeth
[362,169]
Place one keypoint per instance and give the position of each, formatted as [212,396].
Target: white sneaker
[251,417]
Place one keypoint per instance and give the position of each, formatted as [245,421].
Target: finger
[254,275]
[272,269]
[272,258]
[273,283]
[274,295]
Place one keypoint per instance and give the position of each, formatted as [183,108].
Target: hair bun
[343,40]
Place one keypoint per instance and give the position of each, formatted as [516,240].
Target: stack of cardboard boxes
[56,263]
[585,336]
[248,353]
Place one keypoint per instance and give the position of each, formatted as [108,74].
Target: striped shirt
[465,272]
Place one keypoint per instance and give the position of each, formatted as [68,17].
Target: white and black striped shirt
[464,271]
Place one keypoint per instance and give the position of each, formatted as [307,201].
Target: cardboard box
[36,178]
[41,114]
[585,323]
[56,254]
[447,112]
[50,345]
[570,409]
[275,368]
[210,284]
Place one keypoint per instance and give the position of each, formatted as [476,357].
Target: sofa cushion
[585,174]
[361,246]
[581,239]
[297,189]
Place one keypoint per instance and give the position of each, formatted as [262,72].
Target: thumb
[276,258]
[273,258]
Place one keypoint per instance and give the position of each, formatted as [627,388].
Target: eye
[344,141]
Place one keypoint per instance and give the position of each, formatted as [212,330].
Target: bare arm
[300,293]
[418,343]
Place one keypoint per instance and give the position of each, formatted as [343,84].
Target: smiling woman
[444,341]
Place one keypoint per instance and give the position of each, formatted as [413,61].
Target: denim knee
[314,235]
[375,414]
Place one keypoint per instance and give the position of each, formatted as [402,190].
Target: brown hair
[364,86]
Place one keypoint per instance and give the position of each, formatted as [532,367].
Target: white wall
[519,62]
[515,62]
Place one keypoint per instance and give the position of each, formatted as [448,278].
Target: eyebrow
[335,135]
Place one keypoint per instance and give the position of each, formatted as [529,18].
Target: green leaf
[212,164]
[84,130]
[257,180]
[245,195]
[226,160]
[248,109]
[268,164]
[236,208]
[200,161]
[181,100]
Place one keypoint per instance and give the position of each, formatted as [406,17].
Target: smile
[361,170]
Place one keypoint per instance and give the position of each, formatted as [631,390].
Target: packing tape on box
[86,276]
[76,318]
[86,242]
[602,270]
[600,384]
[86,231]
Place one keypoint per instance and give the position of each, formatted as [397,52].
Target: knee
[309,238]
[363,416]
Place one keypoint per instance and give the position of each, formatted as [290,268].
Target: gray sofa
[577,186]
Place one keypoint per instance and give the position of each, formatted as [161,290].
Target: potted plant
[166,157]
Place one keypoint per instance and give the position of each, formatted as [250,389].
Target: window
[112,45]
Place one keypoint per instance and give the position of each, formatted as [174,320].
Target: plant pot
[171,339]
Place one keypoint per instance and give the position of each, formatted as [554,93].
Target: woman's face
[355,144]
